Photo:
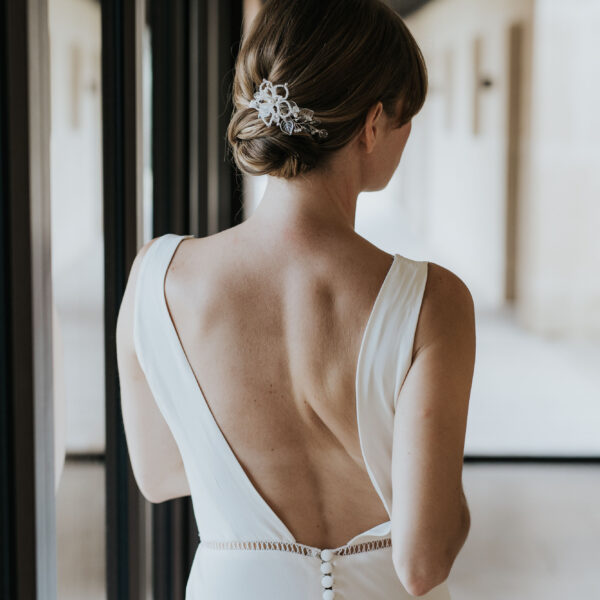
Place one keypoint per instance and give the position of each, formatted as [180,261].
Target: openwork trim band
[295,547]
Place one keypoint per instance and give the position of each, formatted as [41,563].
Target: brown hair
[338,57]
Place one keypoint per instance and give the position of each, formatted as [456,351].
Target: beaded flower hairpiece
[275,109]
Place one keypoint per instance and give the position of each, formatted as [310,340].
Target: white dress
[246,551]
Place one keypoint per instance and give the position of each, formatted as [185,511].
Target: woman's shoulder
[445,290]
[447,308]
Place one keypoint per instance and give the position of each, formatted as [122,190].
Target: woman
[308,389]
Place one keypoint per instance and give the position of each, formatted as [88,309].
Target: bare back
[273,339]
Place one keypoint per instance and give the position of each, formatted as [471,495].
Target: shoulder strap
[389,341]
[383,365]
[150,296]
[404,309]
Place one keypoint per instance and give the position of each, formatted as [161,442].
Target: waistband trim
[294,546]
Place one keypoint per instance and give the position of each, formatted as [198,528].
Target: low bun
[338,58]
[262,150]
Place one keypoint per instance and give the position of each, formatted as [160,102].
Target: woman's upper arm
[155,458]
[429,433]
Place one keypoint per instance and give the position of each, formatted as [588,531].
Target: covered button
[326,554]
[326,567]
[327,581]
[328,595]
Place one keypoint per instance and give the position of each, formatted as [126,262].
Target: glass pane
[78,284]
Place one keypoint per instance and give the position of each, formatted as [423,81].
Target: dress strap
[149,296]
[382,367]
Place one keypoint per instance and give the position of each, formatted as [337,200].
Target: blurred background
[499,182]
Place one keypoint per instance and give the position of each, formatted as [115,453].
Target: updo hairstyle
[339,58]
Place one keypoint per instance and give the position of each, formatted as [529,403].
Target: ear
[371,129]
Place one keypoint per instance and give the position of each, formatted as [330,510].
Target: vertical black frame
[27,509]
[122,26]
[224,180]
[196,187]
[171,31]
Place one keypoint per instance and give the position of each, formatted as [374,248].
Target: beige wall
[76,214]
[560,278]
[459,178]
[534,390]
[456,173]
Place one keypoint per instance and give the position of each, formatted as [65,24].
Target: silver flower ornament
[276,109]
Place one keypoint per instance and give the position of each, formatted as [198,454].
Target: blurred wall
[559,281]
[76,214]
[75,137]
[456,167]
[508,184]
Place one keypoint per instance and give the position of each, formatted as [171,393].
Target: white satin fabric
[246,552]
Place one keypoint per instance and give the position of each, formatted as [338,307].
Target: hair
[339,58]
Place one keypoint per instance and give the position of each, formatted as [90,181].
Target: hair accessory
[275,109]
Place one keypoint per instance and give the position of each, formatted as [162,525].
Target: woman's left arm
[154,454]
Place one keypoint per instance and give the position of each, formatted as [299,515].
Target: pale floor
[535,533]
[532,395]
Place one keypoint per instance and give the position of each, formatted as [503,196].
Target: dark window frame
[122,28]
[27,509]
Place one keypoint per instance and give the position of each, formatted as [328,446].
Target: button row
[327,579]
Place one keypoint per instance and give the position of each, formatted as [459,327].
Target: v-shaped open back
[227,506]
[223,446]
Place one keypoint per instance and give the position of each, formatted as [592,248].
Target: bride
[307,389]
